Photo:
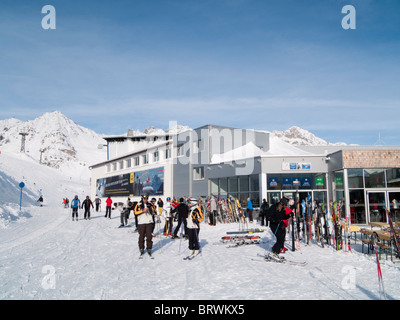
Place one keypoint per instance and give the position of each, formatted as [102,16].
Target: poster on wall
[148,182]
[117,186]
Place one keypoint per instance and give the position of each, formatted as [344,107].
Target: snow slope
[48,256]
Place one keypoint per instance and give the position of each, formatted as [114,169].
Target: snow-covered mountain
[301,137]
[54,140]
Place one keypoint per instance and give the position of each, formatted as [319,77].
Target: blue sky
[118,65]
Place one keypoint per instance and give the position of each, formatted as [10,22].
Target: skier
[87,203]
[193,219]
[250,210]
[279,215]
[97,201]
[213,211]
[182,211]
[160,205]
[40,200]
[144,213]
[156,218]
[122,210]
[167,215]
[75,204]
[263,211]
[108,207]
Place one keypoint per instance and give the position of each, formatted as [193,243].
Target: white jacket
[166,213]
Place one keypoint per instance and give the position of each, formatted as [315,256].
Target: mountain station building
[240,163]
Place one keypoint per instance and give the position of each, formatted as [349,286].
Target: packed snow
[46,255]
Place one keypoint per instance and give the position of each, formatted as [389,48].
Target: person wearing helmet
[167,216]
[195,216]
[278,223]
[86,204]
[182,212]
[75,204]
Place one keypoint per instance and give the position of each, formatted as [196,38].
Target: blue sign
[306,182]
[286,182]
[21,185]
[273,182]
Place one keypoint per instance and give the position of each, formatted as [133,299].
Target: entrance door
[377,206]
[377,201]
[394,200]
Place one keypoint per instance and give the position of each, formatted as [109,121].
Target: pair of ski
[243,242]
[141,257]
[191,256]
[249,231]
[269,257]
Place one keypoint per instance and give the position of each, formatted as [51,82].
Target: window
[129,163]
[145,159]
[137,161]
[356,179]
[375,178]
[156,156]
[167,153]
[121,165]
[114,166]
[198,173]
[180,150]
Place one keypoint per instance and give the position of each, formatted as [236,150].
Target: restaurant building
[240,163]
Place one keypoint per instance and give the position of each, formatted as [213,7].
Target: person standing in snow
[279,216]
[250,210]
[40,200]
[263,212]
[87,203]
[75,204]
[108,207]
[144,213]
[193,220]
[123,216]
[182,212]
[213,211]
[97,201]
[167,215]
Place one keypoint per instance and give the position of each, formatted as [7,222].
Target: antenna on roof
[380,141]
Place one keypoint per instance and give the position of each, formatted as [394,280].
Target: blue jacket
[75,203]
[250,205]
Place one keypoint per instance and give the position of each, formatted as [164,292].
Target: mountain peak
[298,136]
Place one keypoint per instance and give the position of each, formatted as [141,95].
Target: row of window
[369,178]
[138,160]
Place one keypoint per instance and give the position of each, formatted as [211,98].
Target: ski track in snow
[97,260]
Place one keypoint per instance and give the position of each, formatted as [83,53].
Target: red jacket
[108,202]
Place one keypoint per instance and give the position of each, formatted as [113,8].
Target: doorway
[377,203]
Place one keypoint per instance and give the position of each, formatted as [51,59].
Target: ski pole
[380,278]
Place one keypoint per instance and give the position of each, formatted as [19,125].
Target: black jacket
[182,210]
[277,217]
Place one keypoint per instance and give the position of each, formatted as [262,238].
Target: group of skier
[187,212]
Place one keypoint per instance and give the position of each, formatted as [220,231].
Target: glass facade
[241,187]
[369,192]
